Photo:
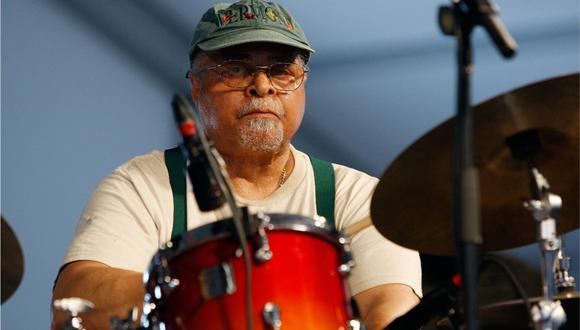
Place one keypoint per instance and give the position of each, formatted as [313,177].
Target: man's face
[258,118]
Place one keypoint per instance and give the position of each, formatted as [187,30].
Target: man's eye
[236,69]
[281,70]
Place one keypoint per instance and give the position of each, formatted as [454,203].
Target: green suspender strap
[176,167]
[323,178]
[324,182]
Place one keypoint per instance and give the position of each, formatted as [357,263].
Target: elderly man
[248,72]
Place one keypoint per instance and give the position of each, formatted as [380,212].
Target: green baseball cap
[225,25]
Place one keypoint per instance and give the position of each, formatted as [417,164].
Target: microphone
[494,27]
[198,149]
[441,301]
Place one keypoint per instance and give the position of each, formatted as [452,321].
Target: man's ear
[195,84]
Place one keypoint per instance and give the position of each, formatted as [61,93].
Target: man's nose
[261,85]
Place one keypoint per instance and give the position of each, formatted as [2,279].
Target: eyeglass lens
[283,76]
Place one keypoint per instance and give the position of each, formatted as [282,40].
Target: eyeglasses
[285,77]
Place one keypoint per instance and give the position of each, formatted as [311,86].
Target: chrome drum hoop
[225,228]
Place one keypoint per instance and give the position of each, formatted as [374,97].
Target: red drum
[298,270]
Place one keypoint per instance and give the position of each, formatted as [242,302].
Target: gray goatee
[262,134]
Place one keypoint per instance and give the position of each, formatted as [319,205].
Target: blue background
[86,85]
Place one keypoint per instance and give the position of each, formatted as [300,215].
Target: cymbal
[12,262]
[412,204]
[513,314]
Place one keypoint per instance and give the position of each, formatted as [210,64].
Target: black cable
[514,280]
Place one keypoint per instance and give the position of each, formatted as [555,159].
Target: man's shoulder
[353,179]
[344,174]
[346,171]
[150,163]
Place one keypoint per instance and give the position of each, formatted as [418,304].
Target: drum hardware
[150,317]
[271,314]
[127,323]
[263,252]
[544,205]
[165,282]
[346,259]
[319,221]
[564,281]
[217,281]
[73,306]
[543,210]
[547,314]
[355,325]
[355,322]
[512,314]
[157,288]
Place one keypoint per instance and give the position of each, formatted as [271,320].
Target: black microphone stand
[459,20]
[217,167]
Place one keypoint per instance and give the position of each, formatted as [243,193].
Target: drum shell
[302,279]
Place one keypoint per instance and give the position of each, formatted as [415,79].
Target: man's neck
[256,177]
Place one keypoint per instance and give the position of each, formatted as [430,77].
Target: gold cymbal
[12,262]
[412,205]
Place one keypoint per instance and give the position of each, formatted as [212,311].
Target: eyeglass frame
[257,68]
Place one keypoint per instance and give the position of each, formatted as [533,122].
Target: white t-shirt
[131,214]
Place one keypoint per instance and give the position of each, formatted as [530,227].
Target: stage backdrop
[86,85]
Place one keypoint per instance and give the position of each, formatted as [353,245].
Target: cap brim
[252,35]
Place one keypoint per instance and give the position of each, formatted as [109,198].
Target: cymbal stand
[544,205]
[564,281]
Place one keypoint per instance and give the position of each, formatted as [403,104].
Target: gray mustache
[261,104]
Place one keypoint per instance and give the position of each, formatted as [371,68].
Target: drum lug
[346,259]
[355,325]
[157,288]
[170,283]
[271,314]
[319,221]
[165,282]
[217,281]
[263,252]
[125,324]
[73,306]
[150,317]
